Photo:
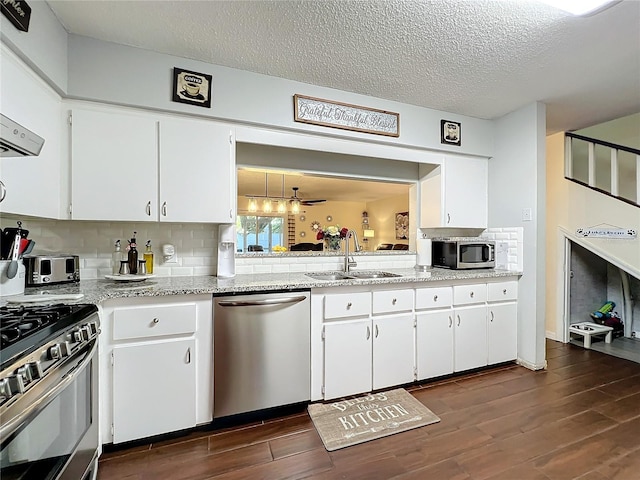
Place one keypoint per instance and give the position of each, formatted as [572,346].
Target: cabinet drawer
[440,297]
[154,321]
[497,292]
[392,301]
[467,294]
[347,305]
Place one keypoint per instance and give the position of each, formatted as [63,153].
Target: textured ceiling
[482,58]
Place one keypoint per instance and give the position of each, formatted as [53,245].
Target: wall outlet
[169,254]
[527,215]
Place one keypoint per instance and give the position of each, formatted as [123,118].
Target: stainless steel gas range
[48,392]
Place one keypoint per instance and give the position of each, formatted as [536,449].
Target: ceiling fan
[306,203]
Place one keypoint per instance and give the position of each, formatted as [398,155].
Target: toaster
[48,269]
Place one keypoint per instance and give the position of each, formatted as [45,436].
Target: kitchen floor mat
[359,419]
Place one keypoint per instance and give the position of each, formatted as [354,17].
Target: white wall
[43,47]
[517,181]
[105,72]
[621,131]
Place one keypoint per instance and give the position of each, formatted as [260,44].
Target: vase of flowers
[332,236]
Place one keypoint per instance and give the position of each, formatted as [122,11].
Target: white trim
[563,276]
[568,157]
[532,366]
[592,164]
[550,335]
[638,179]
[615,181]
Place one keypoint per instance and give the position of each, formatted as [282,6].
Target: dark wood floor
[578,419]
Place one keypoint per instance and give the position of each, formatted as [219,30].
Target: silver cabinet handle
[450,321]
[471,294]
[376,331]
[189,355]
[504,292]
[349,305]
[492,315]
[435,298]
[448,218]
[164,209]
[258,303]
[3,191]
[394,301]
[231,213]
[148,208]
[156,321]
[458,319]
[368,332]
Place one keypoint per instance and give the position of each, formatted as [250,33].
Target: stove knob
[93,327]
[65,349]
[53,353]
[24,373]
[86,332]
[5,389]
[35,368]
[76,336]
[16,385]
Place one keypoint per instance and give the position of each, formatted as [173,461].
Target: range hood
[17,141]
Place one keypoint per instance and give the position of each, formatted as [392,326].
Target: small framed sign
[449,132]
[192,87]
[18,13]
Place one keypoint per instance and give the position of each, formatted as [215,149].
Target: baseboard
[551,335]
[532,366]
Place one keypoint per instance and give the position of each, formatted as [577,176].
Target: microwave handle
[488,250]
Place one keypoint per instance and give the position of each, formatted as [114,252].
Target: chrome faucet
[350,263]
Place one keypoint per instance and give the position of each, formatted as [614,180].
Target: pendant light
[295,203]
[282,202]
[253,205]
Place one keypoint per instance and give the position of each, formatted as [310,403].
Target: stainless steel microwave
[463,254]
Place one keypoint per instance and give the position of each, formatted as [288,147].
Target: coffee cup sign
[192,88]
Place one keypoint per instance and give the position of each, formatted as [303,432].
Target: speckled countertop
[97,291]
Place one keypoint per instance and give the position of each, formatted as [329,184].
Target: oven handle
[261,302]
[60,382]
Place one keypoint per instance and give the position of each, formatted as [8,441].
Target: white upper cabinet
[114,166]
[34,184]
[136,166]
[455,194]
[197,172]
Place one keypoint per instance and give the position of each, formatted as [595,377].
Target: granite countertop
[97,291]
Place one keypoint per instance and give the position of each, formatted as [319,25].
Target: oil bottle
[132,256]
[116,256]
[148,257]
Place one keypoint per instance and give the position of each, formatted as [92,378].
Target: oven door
[52,434]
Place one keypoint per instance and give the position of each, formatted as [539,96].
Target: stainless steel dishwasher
[261,351]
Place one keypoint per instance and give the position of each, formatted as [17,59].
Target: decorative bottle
[115,258]
[148,257]
[132,256]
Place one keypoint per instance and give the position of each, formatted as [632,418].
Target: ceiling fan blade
[311,202]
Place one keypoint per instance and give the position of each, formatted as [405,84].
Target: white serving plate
[129,277]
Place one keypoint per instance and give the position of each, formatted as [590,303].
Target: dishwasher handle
[262,302]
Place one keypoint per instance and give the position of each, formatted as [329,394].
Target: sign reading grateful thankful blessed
[18,12]
[345,116]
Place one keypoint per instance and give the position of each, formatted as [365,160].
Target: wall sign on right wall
[450,132]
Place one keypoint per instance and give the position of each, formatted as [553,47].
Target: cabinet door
[455,194]
[393,350]
[466,192]
[434,343]
[114,162]
[347,358]
[470,337]
[34,184]
[154,389]
[502,332]
[196,170]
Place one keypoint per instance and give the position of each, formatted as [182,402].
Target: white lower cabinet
[393,350]
[347,358]
[502,332]
[154,388]
[434,343]
[470,337]
[156,364]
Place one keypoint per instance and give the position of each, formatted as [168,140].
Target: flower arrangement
[332,236]
[332,231]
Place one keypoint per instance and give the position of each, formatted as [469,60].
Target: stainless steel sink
[329,276]
[352,275]
[364,275]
